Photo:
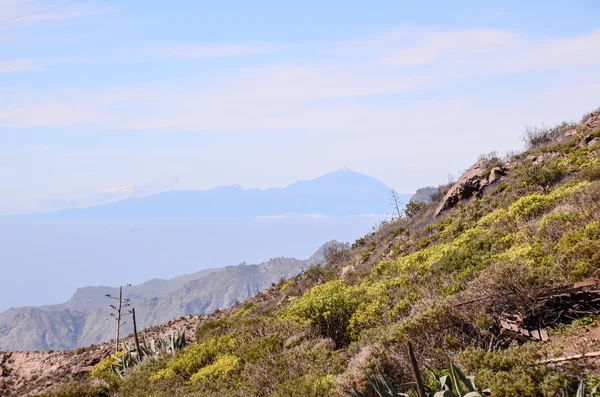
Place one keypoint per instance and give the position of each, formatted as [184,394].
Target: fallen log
[568,358]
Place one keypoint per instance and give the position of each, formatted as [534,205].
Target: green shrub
[222,366]
[138,383]
[591,172]
[246,309]
[310,385]
[303,370]
[258,349]
[79,390]
[287,285]
[212,328]
[329,308]
[563,328]
[512,372]
[542,175]
[192,359]
[499,188]
[530,206]
[579,252]
[414,208]
[104,370]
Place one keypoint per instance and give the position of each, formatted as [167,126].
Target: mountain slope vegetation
[443,277]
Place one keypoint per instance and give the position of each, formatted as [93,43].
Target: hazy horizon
[53,258]
[90,203]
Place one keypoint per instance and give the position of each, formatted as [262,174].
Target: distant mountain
[85,318]
[340,193]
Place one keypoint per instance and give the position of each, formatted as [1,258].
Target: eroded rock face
[470,184]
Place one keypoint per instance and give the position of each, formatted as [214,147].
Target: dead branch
[568,358]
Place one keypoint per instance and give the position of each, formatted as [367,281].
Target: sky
[105,99]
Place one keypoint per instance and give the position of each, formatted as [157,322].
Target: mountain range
[85,318]
[341,193]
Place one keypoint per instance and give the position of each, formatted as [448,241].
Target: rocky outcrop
[470,184]
[593,122]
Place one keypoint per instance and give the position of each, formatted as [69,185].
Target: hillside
[340,193]
[479,275]
[84,319]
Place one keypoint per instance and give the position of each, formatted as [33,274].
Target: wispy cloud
[46,114]
[199,51]
[31,11]
[315,95]
[17,65]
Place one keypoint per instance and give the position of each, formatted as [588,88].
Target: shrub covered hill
[494,274]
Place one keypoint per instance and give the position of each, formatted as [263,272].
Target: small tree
[397,205]
[414,207]
[117,314]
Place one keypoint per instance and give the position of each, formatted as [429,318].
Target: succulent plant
[581,391]
[458,385]
[130,358]
[454,385]
[380,384]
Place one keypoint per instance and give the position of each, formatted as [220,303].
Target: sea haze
[43,262]
[45,257]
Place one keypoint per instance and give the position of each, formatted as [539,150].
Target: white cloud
[274,217]
[307,95]
[120,189]
[40,149]
[18,65]
[18,11]
[199,51]
[46,114]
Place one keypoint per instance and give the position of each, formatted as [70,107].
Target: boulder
[495,174]
[542,158]
[470,184]
[593,122]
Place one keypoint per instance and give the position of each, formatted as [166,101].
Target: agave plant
[177,342]
[380,384]
[458,385]
[130,358]
[126,360]
[454,385]
[580,391]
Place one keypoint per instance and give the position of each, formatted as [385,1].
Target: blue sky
[103,99]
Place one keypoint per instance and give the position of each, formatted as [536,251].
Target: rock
[495,174]
[346,270]
[570,133]
[542,158]
[470,183]
[325,344]
[566,136]
[593,121]
[593,142]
